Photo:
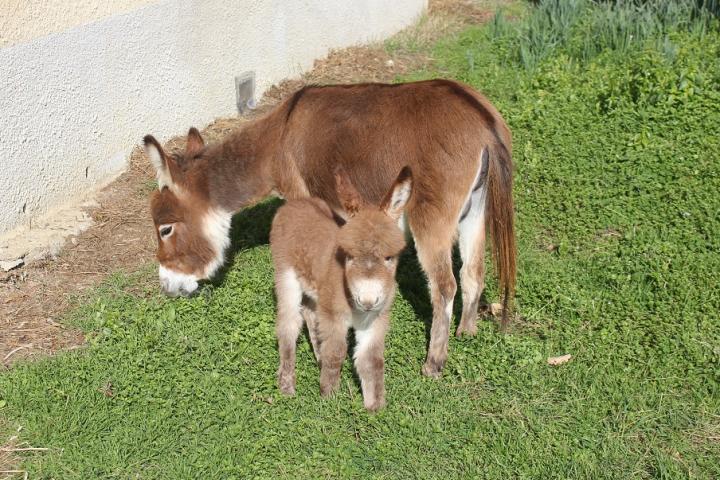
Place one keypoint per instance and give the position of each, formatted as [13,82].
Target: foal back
[303,232]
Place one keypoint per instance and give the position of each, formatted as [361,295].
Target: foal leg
[471,231]
[333,349]
[434,248]
[370,361]
[308,314]
[287,327]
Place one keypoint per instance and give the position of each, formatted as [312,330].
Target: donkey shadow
[250,228]
[414,287]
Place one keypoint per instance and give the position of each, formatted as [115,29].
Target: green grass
[617,165]
[585,28]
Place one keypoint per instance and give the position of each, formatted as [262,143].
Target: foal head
[371,241]
[192,234]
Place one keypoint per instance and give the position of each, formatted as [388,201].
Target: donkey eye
[389,259]
[165,230]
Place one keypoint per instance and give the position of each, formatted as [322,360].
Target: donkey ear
[160,161]
[396,199]
[155,152]
[349,197]
[195,142]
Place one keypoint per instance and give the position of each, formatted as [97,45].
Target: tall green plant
[583,29]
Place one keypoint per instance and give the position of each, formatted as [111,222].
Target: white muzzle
[176,284]
[367,294]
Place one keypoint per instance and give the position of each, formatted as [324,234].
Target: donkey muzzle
[176,284]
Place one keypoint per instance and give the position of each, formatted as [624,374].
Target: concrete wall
[81,82]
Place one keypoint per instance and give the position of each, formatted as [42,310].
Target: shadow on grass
[250,228]
[414,287]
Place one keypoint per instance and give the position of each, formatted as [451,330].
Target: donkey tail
[499,215]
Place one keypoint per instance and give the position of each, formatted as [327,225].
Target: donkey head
[371,241]
[192,234]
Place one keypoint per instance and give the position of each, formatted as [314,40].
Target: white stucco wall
[23,20]
[73,103]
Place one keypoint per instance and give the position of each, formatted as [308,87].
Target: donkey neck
[239,169]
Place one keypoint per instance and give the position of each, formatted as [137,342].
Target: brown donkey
[335,277]
[455,141]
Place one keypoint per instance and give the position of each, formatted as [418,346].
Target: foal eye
[388,259]
[165,231]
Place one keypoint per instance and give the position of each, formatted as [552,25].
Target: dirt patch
[33,299]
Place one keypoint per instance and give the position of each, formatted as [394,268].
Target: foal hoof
[287,390]
[287,385]
[433,369]
[328,390]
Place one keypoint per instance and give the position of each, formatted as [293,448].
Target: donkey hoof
[470,330]
[432,369]
[376,405]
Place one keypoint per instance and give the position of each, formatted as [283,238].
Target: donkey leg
[370,361]
[333,350]
[435,255]
[310,318]
[471,231]
[287,328]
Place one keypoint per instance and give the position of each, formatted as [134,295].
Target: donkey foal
[334,276]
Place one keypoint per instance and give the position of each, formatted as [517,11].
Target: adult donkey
[454,140]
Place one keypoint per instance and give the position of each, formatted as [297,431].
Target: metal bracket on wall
[245,92]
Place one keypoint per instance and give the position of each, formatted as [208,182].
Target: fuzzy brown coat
[323,267]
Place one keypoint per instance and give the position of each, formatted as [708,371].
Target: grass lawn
[617,158]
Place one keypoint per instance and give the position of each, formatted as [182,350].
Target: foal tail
[499,215]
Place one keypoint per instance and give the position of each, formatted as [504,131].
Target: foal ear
[163,164]
[396,199]
[195,142]
[349,197]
